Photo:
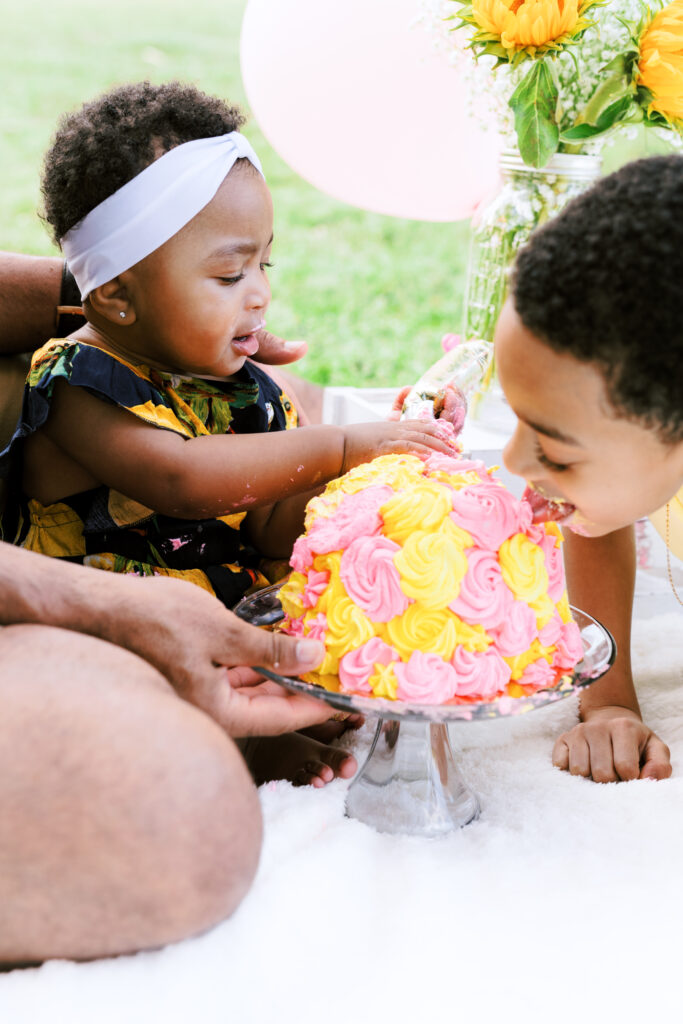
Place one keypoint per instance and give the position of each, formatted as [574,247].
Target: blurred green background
[371,294]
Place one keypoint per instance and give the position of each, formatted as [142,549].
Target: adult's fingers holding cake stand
[245,704]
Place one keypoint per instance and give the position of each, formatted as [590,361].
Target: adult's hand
[203,650]
[276,352]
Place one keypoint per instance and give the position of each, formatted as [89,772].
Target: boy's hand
[612,745]
[365,441]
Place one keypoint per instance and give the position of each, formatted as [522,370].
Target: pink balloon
[355,97]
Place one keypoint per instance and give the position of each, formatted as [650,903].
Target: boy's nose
[518,454]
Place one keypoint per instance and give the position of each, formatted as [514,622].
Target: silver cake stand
[409,782]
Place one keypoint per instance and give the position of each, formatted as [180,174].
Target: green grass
[371,294]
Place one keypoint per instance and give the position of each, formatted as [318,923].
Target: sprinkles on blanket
[429,583]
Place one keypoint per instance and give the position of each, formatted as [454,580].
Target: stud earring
[122,315]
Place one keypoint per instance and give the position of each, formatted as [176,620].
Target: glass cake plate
[409,782]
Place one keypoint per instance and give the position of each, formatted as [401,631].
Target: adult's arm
[30,288]
[612,742]
[30,292]
[196,643]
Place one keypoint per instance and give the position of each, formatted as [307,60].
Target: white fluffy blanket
[564,901]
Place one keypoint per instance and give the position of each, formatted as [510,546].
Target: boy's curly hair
[100,147]
[603,281]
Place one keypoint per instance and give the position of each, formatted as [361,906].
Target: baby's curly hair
[603,281]
[100,147]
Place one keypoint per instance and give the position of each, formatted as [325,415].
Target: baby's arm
[212,475]
[612,742]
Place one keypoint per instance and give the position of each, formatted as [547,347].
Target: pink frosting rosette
[315,587]
[302,555]
[295,627]
[489,513]
[516,632]
[569,649]
[356,516]
[316,627]
[356,667]
[479,674]
[425,679]
[453,465]
[539,675]
[371,579]
[484,598]
[551,632]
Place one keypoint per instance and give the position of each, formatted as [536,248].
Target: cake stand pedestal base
[409,782]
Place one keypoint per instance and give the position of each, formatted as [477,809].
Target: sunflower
[513,30]
[660,62]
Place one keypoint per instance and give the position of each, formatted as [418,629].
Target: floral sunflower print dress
[108,530]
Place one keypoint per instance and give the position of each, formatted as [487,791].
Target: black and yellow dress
[106,529]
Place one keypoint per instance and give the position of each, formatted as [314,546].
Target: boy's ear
[113,302]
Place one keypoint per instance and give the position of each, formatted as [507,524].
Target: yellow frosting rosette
[522,564]
[432,630]
[420,507]
[291,595]
[347,627]
[394,471]
[431,566]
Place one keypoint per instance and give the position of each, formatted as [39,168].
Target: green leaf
[534,103]
[613,88]
[614,112]
[580,132]
[612,115]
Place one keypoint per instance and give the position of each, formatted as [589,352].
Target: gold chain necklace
[668,553]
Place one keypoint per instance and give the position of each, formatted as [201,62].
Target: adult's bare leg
[127,817]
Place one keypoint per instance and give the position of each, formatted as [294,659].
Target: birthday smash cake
[429,583]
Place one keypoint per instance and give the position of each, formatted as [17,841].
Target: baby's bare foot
[335,727]
[298,758]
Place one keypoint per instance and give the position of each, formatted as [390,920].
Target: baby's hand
[612,745]
[365,441]
[452,407]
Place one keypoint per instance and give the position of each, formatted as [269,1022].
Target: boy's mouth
[546,509]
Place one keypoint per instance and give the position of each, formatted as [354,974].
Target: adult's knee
[130,818]
[212,818]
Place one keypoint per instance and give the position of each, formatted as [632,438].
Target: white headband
[148,210]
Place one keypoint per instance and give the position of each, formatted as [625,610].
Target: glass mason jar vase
[528,197]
